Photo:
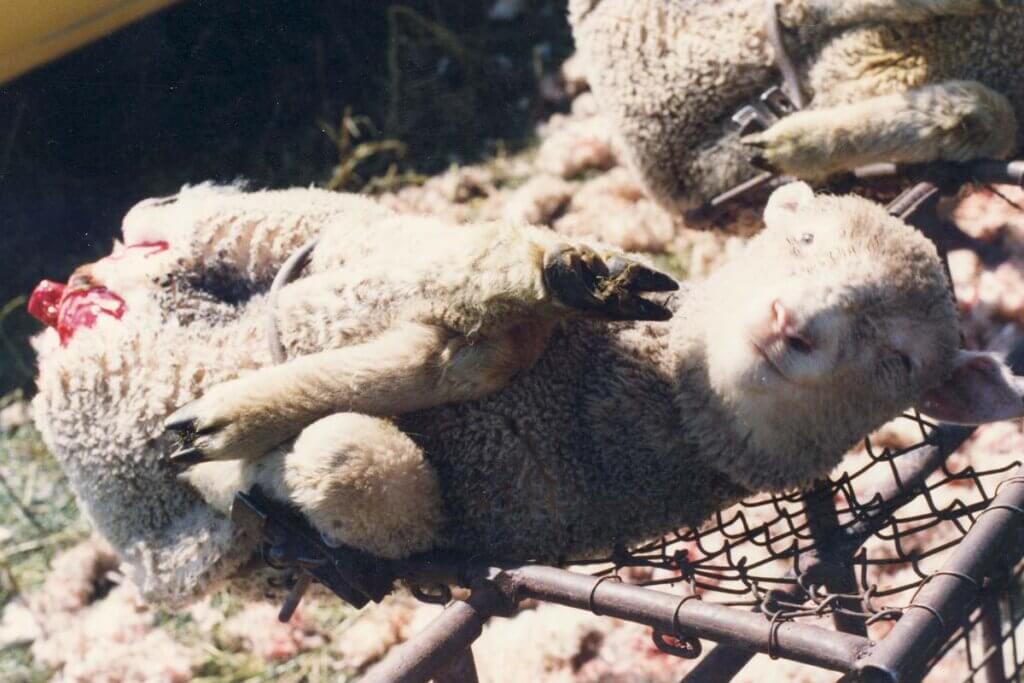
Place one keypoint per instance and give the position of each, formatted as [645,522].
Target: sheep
[468,387]
[145,329]
[886,80]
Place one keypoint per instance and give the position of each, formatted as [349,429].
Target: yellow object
[33,32]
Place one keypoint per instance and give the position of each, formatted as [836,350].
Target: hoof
[579,278]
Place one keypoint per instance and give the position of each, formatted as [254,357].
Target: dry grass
[38,518]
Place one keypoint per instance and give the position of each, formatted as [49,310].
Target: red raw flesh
[82,308]
[44,304]
[54,306]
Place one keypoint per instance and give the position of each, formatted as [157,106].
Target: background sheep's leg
[360,481]
[951,121]
[848,12]
[411,367]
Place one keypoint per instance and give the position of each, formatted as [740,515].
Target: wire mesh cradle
[913,553]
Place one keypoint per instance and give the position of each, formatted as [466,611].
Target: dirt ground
[432,106]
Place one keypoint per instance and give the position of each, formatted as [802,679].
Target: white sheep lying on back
[450,387]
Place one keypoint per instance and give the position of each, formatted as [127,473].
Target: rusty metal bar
[992,639]
[823,523]
[685,615]
[912,200]
[989,171]
[721,664]
[945,597]
[438,647]
[462,669]
[451,633]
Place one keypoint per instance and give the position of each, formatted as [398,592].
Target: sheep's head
[835,319]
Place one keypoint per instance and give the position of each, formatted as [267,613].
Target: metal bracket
[771,105]
[288,542]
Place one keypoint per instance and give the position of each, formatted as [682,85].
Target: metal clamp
[286,541]
[773,634]
[946,572]
[772,105]
[593,590]
[689,647]
[931,610]
[442,594]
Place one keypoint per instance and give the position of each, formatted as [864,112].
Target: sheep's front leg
[360,481]
[849,12]
[951,121]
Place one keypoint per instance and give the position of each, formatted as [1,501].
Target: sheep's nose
[784,325]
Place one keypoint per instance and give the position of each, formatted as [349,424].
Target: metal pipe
[723,662]
[942,600]
[720,665]
[985,171]
[912,200]
[998,172]
[992,639]
[462,669]
[673,614]
[449,636]
[838,577]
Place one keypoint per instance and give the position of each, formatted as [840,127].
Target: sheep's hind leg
[607,287]
[950,121]
[412,366]
[359,481]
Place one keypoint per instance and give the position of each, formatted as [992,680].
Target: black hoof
[187,457]
[611,289]
[181,420]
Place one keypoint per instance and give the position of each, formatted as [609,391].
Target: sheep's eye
[799,344]
[806,238]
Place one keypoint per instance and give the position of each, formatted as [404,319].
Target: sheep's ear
[785,202]
[981,389]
